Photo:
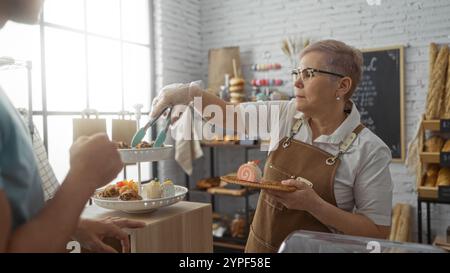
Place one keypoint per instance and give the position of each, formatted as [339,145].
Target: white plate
[147,154]
[140,206]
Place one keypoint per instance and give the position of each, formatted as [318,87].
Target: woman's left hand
[304,198]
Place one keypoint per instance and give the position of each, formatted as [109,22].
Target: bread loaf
[433,54]
[446,148]
[445,108]
[444,177]
[395,217]
[433,169]
[437,84]
[431,175]
[434,144]
[404,224]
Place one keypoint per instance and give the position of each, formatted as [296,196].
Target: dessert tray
[145,205]
[130,156]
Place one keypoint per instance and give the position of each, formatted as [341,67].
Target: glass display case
[316,242]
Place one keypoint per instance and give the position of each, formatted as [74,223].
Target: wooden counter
[184,227]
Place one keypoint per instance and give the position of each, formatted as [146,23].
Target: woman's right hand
[175,94]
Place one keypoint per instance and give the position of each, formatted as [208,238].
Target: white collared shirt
[363,182]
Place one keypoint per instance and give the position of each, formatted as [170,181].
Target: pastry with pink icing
[250,172]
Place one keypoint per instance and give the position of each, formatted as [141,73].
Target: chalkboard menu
[379,97]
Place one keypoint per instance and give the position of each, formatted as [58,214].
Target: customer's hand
[175,94]
[90,233]
[94,161]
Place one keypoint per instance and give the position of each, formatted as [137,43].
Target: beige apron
[273,222]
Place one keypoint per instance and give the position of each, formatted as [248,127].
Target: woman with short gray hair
[320,140]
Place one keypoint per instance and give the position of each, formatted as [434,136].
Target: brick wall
[187,29]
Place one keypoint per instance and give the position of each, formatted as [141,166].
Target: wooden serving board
[266,185]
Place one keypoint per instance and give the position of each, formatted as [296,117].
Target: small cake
[110,192]
[153,189]
[126,185]
[122,145]
[250,172]
[144,145]
[130,195]
[167,189]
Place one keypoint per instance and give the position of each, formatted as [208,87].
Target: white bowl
[147,155]
[140,206]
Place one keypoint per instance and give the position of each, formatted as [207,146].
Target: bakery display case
[316,242]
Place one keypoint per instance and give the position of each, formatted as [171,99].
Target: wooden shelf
[427,158]
[428,192]
[225,191]
[432,125]
[430,157]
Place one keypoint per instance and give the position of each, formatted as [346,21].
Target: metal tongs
[140,134]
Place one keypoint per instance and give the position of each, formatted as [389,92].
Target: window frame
[44,113]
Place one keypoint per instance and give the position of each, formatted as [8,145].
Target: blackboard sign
[380,97]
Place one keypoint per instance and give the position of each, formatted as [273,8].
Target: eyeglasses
[307,73]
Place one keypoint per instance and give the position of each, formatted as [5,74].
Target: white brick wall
[187,29]
[178,52]
[178,41]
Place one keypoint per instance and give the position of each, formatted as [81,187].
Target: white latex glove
[175,94]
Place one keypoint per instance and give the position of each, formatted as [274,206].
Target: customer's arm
[94,162]
[51,229]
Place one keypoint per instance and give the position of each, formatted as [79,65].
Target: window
[96,55]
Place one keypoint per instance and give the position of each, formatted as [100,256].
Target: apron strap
[345,145]
[294,130]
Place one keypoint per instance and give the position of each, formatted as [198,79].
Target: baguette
[395,216]
[403,230]
[437,85]
[445,108]
[433,52]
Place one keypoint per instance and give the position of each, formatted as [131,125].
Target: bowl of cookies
[127,197]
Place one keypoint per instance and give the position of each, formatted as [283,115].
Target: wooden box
[185,227]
